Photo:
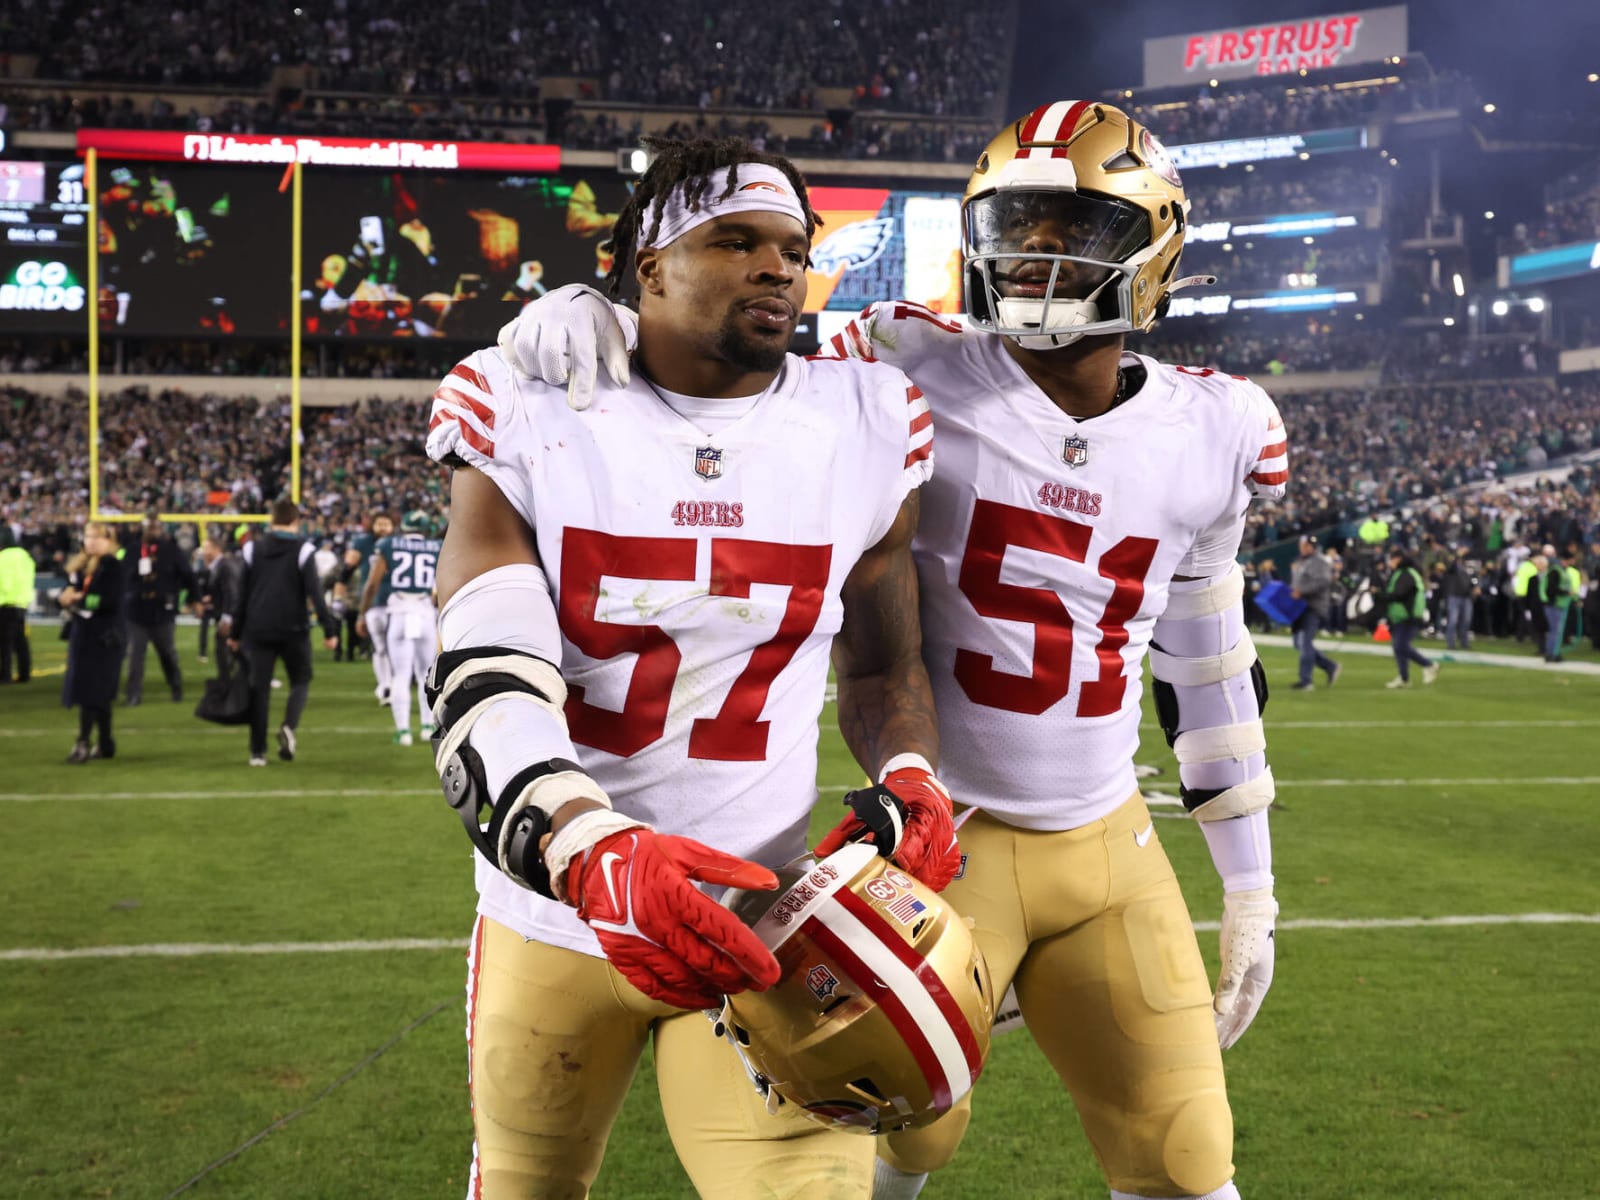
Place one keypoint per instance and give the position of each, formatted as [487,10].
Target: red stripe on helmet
[893,1007]
[926,975]
[1068,123]
[1030,123]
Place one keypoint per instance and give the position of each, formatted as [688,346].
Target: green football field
[225,982]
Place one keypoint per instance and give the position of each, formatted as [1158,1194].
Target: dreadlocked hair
[689,163]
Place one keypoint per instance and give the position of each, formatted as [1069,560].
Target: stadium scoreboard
[44,225]
[43,203]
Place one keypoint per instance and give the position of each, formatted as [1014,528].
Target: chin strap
[1189,281]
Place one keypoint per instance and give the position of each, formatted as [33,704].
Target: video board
[43,246]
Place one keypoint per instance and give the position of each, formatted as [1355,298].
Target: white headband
[761,189]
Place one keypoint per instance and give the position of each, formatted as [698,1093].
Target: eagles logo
[854,246]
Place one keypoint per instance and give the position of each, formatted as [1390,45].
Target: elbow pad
[1210,691]
[501,744]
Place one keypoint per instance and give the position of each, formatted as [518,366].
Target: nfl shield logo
[1075,450]
[822,982]
[708,462]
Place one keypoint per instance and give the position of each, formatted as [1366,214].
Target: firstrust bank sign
[1276,47]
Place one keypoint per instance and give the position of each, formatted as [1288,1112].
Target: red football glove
[667,937]
[909,820]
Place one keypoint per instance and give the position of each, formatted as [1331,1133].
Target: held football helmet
[1072,224]
[881,1019]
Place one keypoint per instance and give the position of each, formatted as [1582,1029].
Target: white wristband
[578,835]
[901,762]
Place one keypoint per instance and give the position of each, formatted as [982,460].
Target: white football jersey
[1046,549]
[697,583]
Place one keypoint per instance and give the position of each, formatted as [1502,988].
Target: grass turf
[1449,1061]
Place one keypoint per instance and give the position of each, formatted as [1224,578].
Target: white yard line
[279,794]
[388,945]
[831,790]
[202,730]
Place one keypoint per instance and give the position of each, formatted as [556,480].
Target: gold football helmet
[881,1019]
[1072,224]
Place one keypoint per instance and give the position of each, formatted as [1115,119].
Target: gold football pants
[554,1037]
[1091,926]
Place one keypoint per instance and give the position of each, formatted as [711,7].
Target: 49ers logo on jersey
[708,512]
[1071,499]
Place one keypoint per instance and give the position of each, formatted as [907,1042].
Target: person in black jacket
[93,600]
[223,593]
[157,574]
[270,622]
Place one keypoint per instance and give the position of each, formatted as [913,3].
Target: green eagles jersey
[412,561]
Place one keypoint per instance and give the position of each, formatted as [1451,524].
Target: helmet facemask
[1072,224]
[1049,266]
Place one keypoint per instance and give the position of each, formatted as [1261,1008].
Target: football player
[1087,511]
[373,622]
[405,568]
[638,607]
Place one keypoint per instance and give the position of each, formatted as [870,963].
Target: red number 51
[996,526]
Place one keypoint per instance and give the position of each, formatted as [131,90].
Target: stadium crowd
[175,451]
[1271,263]
[902,56]
[1309,186]
[1360,452]
[1261,107]
[1356,451]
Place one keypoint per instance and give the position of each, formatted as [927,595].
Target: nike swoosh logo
[607,859]
[1143,836]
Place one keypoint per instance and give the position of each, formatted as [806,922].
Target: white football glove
[1247,954]
[563,336]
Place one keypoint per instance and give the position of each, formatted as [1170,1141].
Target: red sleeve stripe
[469,435]
[920,422]
[1270,478]
[920,453]
[449,395]
[474,377]
[1274,450]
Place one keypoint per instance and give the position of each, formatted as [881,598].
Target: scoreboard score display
[44,218]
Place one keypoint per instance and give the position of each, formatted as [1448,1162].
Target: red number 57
[736,733]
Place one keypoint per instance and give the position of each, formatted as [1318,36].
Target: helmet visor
[1024,235]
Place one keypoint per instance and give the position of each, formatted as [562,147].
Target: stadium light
[1500,308]
[1488,214]
[1593,78]
[1308,240]
[1536,304]
[1488,108]
[1459,284]
[632,160]
[1213,83]
[1449,321]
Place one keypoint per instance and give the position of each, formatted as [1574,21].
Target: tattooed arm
[885,701]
